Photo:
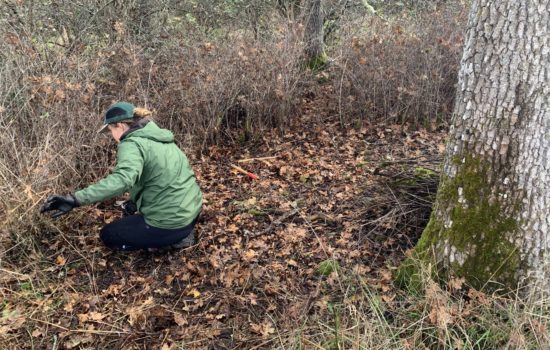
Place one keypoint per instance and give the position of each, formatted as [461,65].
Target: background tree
[313,36]
[490,222]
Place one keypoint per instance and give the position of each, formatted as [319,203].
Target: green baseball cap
[116,113]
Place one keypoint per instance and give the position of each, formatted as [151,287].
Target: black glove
[61,204]
[128,208]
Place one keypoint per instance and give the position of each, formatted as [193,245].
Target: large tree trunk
[313,35]
[491,218]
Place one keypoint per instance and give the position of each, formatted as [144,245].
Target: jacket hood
[152,131]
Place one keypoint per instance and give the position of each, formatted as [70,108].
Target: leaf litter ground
[270,252]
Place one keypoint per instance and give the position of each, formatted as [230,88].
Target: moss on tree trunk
[467,234]
[317,62]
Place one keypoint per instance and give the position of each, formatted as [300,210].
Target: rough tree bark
[313,35]
[491,220]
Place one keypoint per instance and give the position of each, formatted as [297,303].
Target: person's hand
[60,204]
[129,208]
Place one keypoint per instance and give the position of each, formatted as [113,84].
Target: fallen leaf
[388,298]
[179,319]
[194,293]
[168,279]
[456,283]
[37,333]
[136,317]
[292,262]
[250,254]
[82,317]
[386,275]
[60,260]
[264,329]
[96,316]
[440,317]
[253,298]
[232,228]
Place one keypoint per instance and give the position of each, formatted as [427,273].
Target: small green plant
[422,172]
[327,267]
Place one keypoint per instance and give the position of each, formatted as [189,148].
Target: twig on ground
[416,160]
[273,224]
[90,331]
[252,159]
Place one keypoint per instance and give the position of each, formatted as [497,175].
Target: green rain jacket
[158,176]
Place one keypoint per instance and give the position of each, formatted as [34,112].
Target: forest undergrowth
[301,258]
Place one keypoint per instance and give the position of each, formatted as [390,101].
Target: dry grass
[368,314]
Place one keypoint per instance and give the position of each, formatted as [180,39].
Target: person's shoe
[186,242]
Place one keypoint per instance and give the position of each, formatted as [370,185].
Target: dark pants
[133,233]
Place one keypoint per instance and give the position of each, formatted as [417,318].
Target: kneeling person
[159,178]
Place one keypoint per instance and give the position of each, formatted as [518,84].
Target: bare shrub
[232,83]
[48,117]
[203,87]
[403,70]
